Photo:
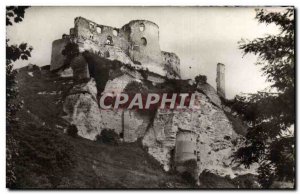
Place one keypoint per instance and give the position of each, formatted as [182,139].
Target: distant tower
[221,80]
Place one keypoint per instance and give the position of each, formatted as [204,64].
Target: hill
[49,158]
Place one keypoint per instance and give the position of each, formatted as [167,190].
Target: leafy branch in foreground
[271,115]
[13,104]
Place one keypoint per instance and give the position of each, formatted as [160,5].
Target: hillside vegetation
[49,158]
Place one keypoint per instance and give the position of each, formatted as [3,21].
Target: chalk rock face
[211,93]
[117,85]
[215,134]
[215,137]
[82,109]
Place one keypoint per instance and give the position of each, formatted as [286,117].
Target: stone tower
[221,80]
[185,148]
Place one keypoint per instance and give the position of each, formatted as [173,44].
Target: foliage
[11,152]
[135,87]
[70,51]
[72,131]
[190,164]
[270,115]
[108,136]
[44,153]
[15,13]
[190,174]
[144,73]
[201,79]
[13,53]
[266,174]
[13,104]
[188,177]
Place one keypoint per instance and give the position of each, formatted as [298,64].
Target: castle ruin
[221,80]
[170,136]
[136,42]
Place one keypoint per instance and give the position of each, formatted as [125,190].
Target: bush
[190,165]
[135,87]
[108,136]
[70,51]
[201,79]
[190,174]
[72,131]
[44,154]
[188,177]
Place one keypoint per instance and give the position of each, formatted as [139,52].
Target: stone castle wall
[185,146]
[138,41]
[144,40]
[221,80]
[100,34]
[57,59]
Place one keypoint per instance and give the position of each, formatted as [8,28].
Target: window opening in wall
[91,25]
[99,29]
[115,32]
[142,27]
[144,41]
[109,40]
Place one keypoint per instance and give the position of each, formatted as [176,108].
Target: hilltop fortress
[129,60]
[137,43]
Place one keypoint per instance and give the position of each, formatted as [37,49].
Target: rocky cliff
[216,137]
[49,97]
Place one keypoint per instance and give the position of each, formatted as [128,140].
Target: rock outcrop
[82,110]
[208,121]
[215,133]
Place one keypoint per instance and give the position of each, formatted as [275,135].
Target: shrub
[201,79]
[72,131]
[44,154]
[188,177]
[190,165]
[70,51]
[108,136]
[135,87]
[190,174]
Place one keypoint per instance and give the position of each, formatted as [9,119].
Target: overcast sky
[200,36]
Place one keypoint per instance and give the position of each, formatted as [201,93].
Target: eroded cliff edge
[214,139]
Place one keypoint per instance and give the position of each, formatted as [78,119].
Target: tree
[270,115]
[201,79]
[13,104]
[13,53]
[70,51]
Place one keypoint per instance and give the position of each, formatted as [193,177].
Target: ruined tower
[221,80]
[185,148]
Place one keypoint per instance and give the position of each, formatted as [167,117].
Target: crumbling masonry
[171,137]
[137,42]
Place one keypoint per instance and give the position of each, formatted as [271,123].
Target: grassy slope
[49,158]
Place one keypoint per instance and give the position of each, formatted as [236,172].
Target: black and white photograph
[150,97]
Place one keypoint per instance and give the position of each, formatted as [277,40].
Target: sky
[200,36]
